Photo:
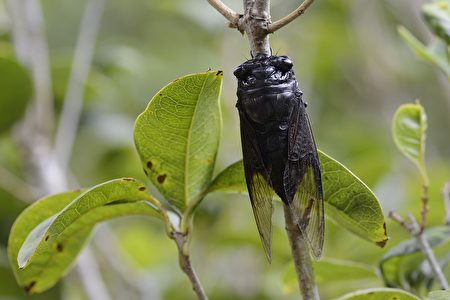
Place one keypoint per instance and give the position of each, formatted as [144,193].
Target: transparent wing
[308,206]
[303,183]
[258,184]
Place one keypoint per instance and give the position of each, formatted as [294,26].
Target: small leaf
[15,91]
[409,127]
[436,53]
[438,295]
[46,238]
[177,137]
[437,16]
[328,271]
[348,201]
[406,257]
[379,294]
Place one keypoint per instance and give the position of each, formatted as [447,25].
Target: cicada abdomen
[278,148]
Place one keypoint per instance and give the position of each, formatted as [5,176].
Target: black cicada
[278,148]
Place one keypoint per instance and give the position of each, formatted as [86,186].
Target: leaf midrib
[188,139]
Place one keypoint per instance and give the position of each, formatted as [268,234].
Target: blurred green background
[354,70]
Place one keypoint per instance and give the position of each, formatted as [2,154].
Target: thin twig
[302,259]
[90,277]
[227,12]
[415,231]
[16,186]
[290,17]
[424,210]
[186,266]
[446,196]
[73,101]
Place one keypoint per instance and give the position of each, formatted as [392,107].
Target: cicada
[279,150]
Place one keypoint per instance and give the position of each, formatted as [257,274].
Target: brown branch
[186,265]
[302,259]
[416,231]
[290,17]
[424,210]
[228,13]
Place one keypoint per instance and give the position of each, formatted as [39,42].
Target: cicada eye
[284,64]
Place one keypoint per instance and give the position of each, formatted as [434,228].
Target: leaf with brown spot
[179,132]
[67,220]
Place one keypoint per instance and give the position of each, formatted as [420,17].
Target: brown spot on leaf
[219,73]
[160,94]
[149,164]
[142,188]
[161,178]
[59,247]
[145,171]
[30,286]
[128,179]
[46,238]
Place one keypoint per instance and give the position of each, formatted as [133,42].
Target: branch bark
[225,11]
[186,265]
[302,259]
[416,231]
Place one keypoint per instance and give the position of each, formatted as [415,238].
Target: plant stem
[416,231]
[185,264]
[290,17]
[302,260]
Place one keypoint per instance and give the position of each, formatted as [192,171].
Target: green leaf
[438,295]
[348,201]
[328,271]
[399,262]
[46,238]
[409,127]
[15,91]
[436,53]
[379,294]
[437,16]
[177,137]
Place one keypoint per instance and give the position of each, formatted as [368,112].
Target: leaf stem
[415,231]
[186,265]
[302,260]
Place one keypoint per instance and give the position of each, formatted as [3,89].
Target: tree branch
[73,100]
[228,13]
[416,231]
[302,259]
[185,264]
[16,186]
[290,17]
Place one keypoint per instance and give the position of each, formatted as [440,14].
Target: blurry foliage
[354,71]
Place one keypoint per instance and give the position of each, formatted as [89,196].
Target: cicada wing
[303,181]
[308,206]
[258,184]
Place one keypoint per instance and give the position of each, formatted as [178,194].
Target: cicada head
[272,74]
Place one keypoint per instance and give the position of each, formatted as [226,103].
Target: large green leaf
[379,294]
[409,127]
[348,201]
[328,271]
[177,137]
[436,53]
[15,91]
[46,238]
[398,263]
